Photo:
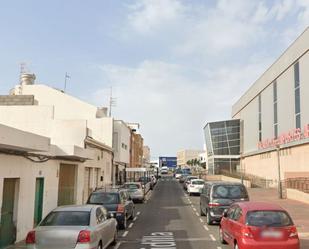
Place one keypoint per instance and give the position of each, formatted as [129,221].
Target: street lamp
[279,172]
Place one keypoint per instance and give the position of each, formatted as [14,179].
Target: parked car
[146,183]
[187,181]
[182,178]
[84,226]
[164,170]
[117,202]
[135,191]
[178,173]
[250,225]
[153,179]
[195,186]
[218,196]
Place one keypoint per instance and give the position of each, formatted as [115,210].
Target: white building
[121,146]
[274,117]
[75,139]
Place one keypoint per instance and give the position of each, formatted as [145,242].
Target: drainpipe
[279,172]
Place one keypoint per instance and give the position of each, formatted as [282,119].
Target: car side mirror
[225,213]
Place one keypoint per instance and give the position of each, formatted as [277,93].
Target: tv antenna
[112,102]
[66,77]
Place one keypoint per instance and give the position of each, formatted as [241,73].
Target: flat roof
[296,50]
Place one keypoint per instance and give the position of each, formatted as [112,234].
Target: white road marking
[212,237]
[201,220]
[206,228]
[131,225]
[117,245]
[138,213]
[197,214]
[135,218]
[194,209]
[125,233]
[219,247]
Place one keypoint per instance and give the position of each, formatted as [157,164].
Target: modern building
[168,161]
[222,146]
[121,146]
[275,117]
[53,147]
[183,156]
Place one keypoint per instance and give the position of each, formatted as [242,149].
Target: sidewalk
[299,211]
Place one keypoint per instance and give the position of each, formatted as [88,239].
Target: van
[218,196]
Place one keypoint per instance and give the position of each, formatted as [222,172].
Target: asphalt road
[169,219]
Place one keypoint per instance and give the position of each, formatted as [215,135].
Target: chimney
[27,79]
[101,112]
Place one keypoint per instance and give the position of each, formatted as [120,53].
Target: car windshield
[132,186]
[200,182]
[229,192]
[67,218]
[103,198]
[268,218]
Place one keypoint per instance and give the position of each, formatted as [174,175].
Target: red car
[258,225]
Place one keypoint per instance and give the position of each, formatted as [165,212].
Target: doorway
[8,212]
[67,184]
[38,201]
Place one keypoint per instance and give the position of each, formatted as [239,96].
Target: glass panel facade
[297,95]
[260,118]
[222,139]
[275,109]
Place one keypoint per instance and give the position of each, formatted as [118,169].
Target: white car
[195,186]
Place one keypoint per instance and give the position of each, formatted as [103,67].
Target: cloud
[172,107]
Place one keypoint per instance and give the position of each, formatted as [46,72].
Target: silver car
[78,227]
[135,190]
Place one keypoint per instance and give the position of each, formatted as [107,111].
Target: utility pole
[66,77]
[112,103]
[279,172]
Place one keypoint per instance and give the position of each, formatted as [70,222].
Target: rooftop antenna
[112,102]
[66,77]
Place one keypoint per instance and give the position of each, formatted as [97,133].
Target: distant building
[146,155]
[222,146]
[183,156]
[168,161]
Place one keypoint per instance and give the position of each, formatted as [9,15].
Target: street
[170,219]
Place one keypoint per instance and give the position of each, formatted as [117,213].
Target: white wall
[66,106]
[123,131]
[102,130]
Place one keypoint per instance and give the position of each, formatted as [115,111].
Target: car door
[226,228]
[235,223]
[102,226]
[110,226]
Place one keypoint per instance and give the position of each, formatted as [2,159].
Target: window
[260,117]
[268,218]
[99,215]
[297,95]
[275,109]
[67,218]
[103,198]
[237,214]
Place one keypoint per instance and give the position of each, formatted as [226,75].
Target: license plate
[272,234]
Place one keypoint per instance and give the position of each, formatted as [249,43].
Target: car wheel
[190,193]
[208,218]
[133,214]
[100,245]
[221,236]
[201,211]
[114,242]
[236,246]
[123,226]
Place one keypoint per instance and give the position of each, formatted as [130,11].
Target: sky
[174,65]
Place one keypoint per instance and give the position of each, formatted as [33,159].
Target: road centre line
[197,214]
[138,213]
[131,225]
[125,233]
[201,220]
[135,218]
[219,247]
[194,209]
[206,228]
[212,237]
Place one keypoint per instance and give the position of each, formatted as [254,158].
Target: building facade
[275,116]
[222,146]
[146,155]
[183,156]
[121,146]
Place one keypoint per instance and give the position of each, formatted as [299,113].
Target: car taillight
[245,231]
[120,208]
[84,236]
[293,232]
[30,239]
[212,204]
